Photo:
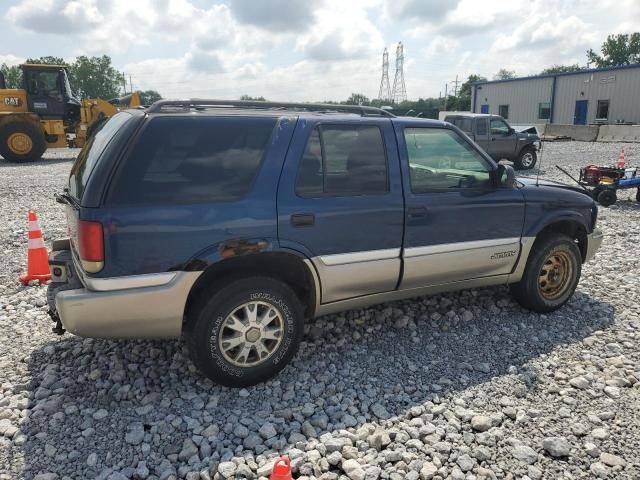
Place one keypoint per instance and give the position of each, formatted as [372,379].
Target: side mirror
[511,131]
[506,175]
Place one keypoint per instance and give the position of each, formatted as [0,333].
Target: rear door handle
[303,219]
[417,212]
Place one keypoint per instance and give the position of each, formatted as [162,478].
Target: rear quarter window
[92,152]
[192,159]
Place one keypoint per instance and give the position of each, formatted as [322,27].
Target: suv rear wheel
[527,159]
[246,332]
[551,275]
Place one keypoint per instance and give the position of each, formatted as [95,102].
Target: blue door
[580,115]
[484,108]
[460,223]
[340,204]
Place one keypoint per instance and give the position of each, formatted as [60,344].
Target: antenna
[385,88]
[399,93]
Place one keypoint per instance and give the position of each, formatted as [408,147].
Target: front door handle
[417,212]
[303,219]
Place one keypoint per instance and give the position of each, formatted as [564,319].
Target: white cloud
[310,49]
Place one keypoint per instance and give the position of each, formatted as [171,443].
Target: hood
[530,182]
[532,137]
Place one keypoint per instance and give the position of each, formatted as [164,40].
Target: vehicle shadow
[397,356]
[36,163]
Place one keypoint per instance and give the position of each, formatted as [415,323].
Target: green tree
[504,74]
[95,77]
[255,99]
[561,69]
[357,99]
[147,97]
[12,75]
[463,101]
[48,60]
[622,49]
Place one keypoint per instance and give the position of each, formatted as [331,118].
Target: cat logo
[501,255]
[12,101]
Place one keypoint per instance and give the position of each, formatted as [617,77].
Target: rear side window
[463,124]
[481,126]
[343,160]
[193,159]
[92,151]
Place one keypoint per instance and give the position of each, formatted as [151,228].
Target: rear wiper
[65,198]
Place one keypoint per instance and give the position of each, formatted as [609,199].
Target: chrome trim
[127,282]
[457,246]
[594,240]
[368,300]
[146,312]
[356,257]
[525,250]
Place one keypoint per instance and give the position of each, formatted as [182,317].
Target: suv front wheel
[245,332]
[551,275]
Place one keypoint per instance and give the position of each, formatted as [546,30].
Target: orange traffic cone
[281,469]
[620,162]
[37,256]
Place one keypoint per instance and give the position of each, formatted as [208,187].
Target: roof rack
[200,104]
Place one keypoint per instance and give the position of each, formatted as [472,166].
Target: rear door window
[343,160]
[193,159]
[92,151]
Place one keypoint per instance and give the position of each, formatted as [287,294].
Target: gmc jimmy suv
[234,222]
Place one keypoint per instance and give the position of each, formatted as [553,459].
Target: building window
[544,111]
[503,111]
[603,110]
[484,108]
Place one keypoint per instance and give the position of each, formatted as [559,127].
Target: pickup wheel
[245,332]
[526,160]
[551,275]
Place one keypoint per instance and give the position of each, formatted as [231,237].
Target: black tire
[31,130]
[638,194]
[595,192]
[530,290]
[607,197]
[204,330]
[526,159]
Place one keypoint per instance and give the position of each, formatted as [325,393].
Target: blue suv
[234,222]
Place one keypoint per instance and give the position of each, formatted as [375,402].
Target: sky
[310,50]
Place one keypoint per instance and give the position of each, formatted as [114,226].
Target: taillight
[91,245]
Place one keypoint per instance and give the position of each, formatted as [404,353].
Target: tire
[638,194]
[21,141]
[209,324]
[537,289]
[607,197]
[526,160]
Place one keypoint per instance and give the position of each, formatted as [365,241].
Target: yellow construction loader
[45,114]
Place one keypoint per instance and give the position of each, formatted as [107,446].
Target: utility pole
[384,94]
[124,84]
[445,96]
[455,89]
[131,84]
[399,92]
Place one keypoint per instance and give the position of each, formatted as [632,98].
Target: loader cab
[49,92]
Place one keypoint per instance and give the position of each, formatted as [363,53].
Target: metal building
[597,96]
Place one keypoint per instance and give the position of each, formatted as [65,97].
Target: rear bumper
[139,306]
[594,240]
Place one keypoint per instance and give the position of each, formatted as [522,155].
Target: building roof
[564,74]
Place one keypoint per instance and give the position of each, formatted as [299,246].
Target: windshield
[92,151]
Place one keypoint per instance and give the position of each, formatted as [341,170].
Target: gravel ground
[464,386]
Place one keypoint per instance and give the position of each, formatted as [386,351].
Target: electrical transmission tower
[399,93]
[385,89]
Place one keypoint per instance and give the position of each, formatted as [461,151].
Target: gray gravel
[463,386]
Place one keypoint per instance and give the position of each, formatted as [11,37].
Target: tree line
[90,77]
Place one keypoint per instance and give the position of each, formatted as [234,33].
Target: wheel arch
[287,266]
[573,227]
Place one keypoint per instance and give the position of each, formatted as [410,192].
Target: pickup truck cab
[498,138]
[231,223]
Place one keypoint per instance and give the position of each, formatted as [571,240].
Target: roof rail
[201,104]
